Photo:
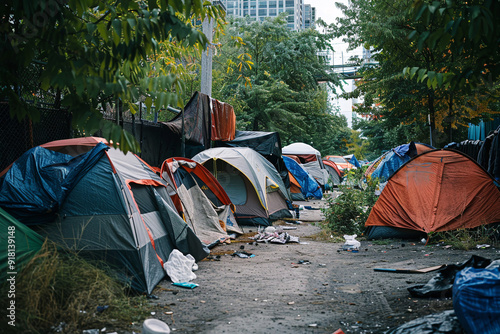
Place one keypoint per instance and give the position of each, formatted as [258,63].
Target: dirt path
[306,287]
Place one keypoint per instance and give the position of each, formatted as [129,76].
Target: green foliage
[97,52]
[347,213]
[56,287]
[270,75]
[424,110]
[468,32]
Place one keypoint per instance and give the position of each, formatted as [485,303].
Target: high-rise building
[309,16]
[260,9]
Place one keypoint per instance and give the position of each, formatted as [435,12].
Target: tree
[407,106]
[468,31]
[96,52]
[271,74]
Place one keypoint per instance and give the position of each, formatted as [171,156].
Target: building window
[290,3]
[272,4]
[272,12]
[253,12]
[262,4]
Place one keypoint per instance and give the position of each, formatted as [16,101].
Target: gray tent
[119,211]
[251,182]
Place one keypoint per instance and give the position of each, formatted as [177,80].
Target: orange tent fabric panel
[439,190]
[223,121]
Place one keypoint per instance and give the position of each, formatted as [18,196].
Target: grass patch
[325,234]
[63,289]
[384,241]
[467,239]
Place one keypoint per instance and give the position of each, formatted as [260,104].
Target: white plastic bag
[351,242]
[179,267]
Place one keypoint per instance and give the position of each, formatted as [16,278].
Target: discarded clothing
[276,236]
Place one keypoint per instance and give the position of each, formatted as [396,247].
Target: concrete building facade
[260,9]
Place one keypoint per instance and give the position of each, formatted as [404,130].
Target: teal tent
[18,244]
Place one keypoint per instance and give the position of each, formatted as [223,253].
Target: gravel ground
[306,287]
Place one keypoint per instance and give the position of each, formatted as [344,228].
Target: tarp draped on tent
[438,190]
[251,182]
[335,175]
[119,211]
[205,206]
[308,186]
[36,200]
[351,158]
[310,158]
[266,143]
[26,243]
[392,160]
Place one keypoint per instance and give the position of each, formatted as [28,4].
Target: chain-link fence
[16,137]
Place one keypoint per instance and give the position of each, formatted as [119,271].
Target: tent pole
[183,137]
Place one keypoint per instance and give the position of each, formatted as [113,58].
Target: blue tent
[310,187]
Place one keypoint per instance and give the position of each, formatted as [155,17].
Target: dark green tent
[16,239]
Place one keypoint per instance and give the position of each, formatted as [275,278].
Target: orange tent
[438,190]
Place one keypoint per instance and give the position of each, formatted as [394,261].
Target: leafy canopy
[95,52]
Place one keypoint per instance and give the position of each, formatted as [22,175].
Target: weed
[468,239]
[55,288]
[347,213]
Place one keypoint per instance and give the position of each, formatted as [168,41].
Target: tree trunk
[432,117]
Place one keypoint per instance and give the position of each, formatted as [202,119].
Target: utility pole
[206,58]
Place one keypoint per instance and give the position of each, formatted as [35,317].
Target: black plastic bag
[439,323]
[440,286]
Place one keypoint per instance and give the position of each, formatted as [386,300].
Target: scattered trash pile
[475,288]
[274,235]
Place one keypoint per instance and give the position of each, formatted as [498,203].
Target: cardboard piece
[411,271]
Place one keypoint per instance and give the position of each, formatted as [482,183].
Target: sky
[325,9]
[328,12]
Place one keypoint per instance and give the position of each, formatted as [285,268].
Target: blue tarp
[476,298]
[310,187]
[354,161]
[480,131]
[393,160]
[37,183]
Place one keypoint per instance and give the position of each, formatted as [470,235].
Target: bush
[347,213]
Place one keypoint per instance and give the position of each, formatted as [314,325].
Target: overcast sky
[326,9]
